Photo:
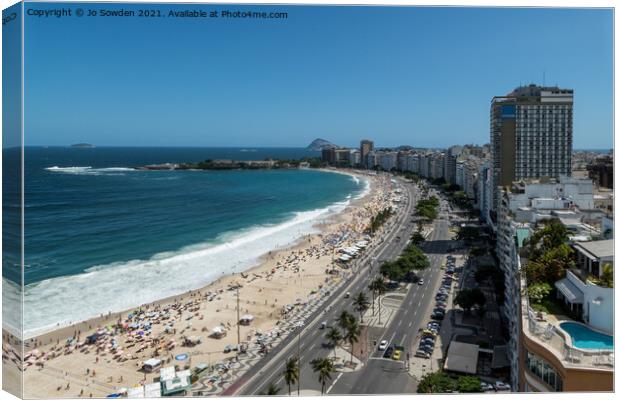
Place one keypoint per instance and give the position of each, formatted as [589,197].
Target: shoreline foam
[100,284]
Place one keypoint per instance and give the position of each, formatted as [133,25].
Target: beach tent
[218,332]
[151,364]
[246,319]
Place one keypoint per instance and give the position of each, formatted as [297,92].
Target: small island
[305,162]
[82,146]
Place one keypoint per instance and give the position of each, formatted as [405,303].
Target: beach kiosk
[218,332]
[179,385]
[246,319]
[151,364]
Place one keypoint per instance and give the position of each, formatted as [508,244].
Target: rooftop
[598,248]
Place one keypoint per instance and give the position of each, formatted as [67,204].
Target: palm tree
[371,286]
[334,337]
[272,390]
[379,286]
[361,304]
[291,372]
[353,334]
[344,320]
[324,367]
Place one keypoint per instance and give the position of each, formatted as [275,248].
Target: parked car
[426,348]
[422,354]
[499,385]
[427,341]
[438,316]
[433,325]
[486,387]
[323,325]
[383,345]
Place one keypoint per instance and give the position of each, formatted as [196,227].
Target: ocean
[101,236]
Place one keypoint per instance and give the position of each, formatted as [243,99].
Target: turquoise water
[585,338]
[101,236]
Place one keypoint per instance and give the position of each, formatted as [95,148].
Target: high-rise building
[531,135]
[449,168]
[366,146]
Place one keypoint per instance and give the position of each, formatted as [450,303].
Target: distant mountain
[83,145]
[320,144]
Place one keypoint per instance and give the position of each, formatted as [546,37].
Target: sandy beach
[63,363]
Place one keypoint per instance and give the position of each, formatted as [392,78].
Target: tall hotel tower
[531,135]
[366,146]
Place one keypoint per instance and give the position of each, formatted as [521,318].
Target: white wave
[120,286]
[88,170]
[11,311]
[366,189]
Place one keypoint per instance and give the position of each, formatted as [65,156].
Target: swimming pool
[585,338]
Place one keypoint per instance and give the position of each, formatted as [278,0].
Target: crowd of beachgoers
[96,357]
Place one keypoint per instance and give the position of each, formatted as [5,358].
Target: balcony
[544,330]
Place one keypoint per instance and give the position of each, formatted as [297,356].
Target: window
[543,371]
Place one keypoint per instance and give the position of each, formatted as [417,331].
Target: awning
[570,291]
[462,357]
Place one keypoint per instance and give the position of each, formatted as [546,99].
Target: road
[385,376]
[307,342]
[378,375]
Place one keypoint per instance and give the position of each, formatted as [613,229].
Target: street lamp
[300,325]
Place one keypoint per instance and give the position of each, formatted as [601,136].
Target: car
[347,295]
[396,355]
[388,353]
[421,281]
[499,385]
[442,304]
[323,325]
[422,354]
[383,345]
[427,342]
[439,316]
[426,348]
[486,387]
[433,325]
[228,348]
[429,332]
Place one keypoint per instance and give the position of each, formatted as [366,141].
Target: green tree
[272,390]
[468,384]
[361,304]
[468,298]
[291,372]
[436,382]
[344,320]
[607,276]
[353,334]
[378,286]
[417,238]
[324,367]
[334,337]
[537,292]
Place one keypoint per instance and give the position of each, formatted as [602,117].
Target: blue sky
[418,76]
